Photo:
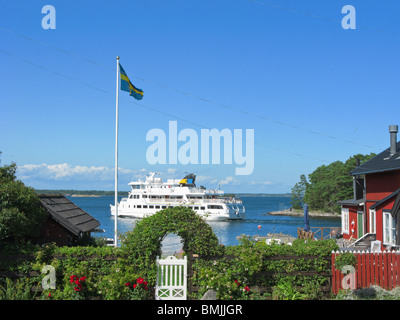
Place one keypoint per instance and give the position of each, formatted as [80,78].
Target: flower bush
[253,263]
[138,290]
[233,271]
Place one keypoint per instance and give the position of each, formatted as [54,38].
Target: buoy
[259,226]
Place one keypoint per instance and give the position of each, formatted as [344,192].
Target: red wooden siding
[380,268]
[381,184]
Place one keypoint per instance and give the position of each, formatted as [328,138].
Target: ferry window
[196,208]
[144,207]
[214,206]
[164,207]
[202,208]
[151,207]
[139,206]
[157,207]
[144,196]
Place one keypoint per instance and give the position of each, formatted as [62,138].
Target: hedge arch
[142,245]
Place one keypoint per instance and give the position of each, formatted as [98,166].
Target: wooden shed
[66,222]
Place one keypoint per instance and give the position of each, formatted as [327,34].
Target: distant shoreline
[85,195]
[99,193]
[300,214]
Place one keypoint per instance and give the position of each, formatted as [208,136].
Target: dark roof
[385,199]
[381,162]
[352,202]
[68,214]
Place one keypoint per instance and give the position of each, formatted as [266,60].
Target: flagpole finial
[117,57]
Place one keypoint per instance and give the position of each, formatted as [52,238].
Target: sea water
[257,221]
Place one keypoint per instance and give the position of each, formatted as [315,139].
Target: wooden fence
[318,233]
[373,268]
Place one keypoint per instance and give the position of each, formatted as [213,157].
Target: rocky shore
[299,213]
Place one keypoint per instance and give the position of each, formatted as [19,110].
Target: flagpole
[116,161]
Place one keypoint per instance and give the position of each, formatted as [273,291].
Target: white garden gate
[171,279]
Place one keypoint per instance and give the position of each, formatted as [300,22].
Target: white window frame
[345,220]
[372,220]
[389,228]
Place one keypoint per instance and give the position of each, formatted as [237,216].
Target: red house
[375,208]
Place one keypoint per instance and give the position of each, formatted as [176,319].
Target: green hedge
[252,264]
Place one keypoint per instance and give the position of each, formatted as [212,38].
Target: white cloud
[263,183]
[230,180]
[67,172]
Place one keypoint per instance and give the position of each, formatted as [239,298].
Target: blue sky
[312,91]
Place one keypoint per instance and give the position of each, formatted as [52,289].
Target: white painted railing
[171,279]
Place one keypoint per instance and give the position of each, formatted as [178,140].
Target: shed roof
[352,202]
[68,214]
[381,162]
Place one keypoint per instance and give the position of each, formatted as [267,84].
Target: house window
[372,221]
[389,228]
[345,220]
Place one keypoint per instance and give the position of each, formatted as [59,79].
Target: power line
[254,115]
[148,107]
[309,14]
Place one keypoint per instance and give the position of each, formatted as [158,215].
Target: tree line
[327,185]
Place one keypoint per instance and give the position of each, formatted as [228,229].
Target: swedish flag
[126,85]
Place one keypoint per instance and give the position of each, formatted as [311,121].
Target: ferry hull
[237,214]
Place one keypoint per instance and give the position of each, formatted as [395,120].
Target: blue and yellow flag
[126,85]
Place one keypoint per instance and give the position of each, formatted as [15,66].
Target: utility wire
[148,107]
[308,14]
[250,114]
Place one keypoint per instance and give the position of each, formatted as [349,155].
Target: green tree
[330,183]
[298,192]
[21,214]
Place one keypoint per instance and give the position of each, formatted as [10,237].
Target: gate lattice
[171,279]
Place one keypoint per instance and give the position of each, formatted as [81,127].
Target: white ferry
[149,196]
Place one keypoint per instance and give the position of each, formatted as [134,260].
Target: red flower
[78,284]
[127,284]
[139,280]
[145,283]
[73,278]
[134,286]
[145,287]
[82,279]
[247,288]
